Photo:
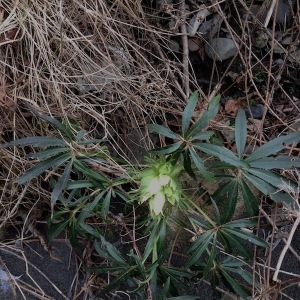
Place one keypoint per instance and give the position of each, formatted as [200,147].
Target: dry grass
[106,66]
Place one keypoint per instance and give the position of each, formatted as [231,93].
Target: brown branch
[185,51]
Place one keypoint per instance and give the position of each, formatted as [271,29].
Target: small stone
[197,19]
[193,45]
[284,14]
[220,49]
[210,27]
[255,112]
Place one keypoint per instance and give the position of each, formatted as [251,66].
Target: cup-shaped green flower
[159,184]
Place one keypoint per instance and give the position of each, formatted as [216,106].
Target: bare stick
[185,51]
[282,255]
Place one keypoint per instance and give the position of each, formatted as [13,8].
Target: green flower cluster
[159,184]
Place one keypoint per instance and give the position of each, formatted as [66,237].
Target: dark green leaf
[89,229]
[36,141]
[250,200]
[188,112]
[188,165]
[205,118]
[184,298]
[56,228]
[241,223]
[210,263]
[89,172]
[161,246]
[234,285]
[281,197]
[87,210]
[203,136]
[163,131]
[52,121]
[167,149]
[260,184]
[80,134]
[151,242]
[200,166]
[246,236]
[52,162]
[222,153]
[62,183]
[106,204]
[120,279]
[41,155]
[230,201]
[272,178]
[273,146]
[74,233]
[279,162]
[235,242]
[164,292]
[92,141]
[79,184]
[199,246]
[240,132]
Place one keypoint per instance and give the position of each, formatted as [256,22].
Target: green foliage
[254,169]
[82,196]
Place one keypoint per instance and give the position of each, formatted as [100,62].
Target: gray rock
[193,45]
[284,14]
[256,111]
[210,27]
[220,49]
[197,19]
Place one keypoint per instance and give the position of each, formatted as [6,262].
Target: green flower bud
[158,184]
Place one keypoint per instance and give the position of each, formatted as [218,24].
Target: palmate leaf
[52,162]
[36,141]
[240,132]
[188,112]
[273,146]
[205,118]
